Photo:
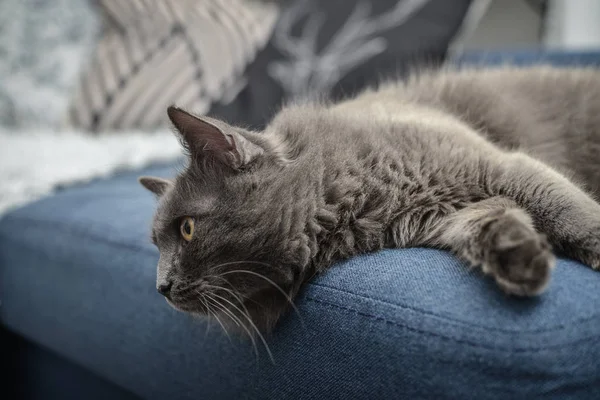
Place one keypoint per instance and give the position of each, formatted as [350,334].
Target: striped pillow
[154,53]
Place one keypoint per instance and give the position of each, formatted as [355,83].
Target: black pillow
[335,48]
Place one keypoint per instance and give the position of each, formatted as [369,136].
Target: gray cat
[493,165]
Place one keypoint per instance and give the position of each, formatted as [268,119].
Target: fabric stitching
[448,338]
[78,233]
[465,323]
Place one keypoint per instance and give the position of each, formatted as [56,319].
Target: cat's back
[551,113]
[495,99]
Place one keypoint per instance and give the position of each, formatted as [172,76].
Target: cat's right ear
[204,136]
[158,186]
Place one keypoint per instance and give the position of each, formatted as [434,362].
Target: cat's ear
[210,137]
[158,186]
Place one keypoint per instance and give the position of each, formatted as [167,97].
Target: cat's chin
[185,308]
[169,302]
[255,318]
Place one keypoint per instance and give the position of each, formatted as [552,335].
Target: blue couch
[82,317]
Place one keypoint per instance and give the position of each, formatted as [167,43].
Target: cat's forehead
[185,200]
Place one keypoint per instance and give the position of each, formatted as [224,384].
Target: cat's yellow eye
[187,228]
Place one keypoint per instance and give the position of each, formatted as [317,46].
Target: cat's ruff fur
[464,160]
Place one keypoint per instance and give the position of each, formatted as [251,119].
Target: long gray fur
[494,165]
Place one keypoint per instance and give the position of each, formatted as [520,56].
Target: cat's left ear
[158,186]
[210,137]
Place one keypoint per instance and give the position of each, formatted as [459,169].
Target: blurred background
[84,85]
[74,72]
[531,24]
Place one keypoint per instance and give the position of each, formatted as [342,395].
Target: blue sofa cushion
[560,58]
[77,275]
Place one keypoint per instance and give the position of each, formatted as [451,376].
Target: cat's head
[232,227]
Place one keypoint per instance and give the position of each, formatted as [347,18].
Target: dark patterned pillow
[154,53]
[335,48]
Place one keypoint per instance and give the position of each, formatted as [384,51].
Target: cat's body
[550,114]
[465,161]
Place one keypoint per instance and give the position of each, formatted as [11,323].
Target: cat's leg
[565,213]
[498,236]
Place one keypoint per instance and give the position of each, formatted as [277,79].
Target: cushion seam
[465,323]
[589,339]
[77,232]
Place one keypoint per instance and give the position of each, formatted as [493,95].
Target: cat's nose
[165,289]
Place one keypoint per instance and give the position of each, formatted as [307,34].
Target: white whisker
[207,310]
[276,286]
[214,314]
[238,322]
[242,262]
[262,338]
[237,296]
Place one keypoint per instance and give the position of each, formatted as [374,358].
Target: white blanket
[33,164]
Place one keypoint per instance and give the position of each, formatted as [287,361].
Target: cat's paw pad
[519,258]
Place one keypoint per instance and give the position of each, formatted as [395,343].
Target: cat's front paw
[519,258]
